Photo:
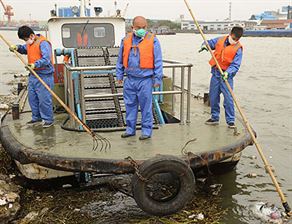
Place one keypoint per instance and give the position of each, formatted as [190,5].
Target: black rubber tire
[163,164]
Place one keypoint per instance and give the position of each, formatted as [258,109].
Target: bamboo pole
[246,122]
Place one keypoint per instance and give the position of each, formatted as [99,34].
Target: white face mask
[231,41]
[30,41]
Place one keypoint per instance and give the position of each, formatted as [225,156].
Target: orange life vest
[224,54]
[66,59]
[34,51]
[146,50]
[82,40]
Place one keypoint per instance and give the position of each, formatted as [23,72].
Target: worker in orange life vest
[140,57]
[228,52]
[39,54]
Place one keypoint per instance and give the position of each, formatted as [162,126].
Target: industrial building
[284,13]
[211,25]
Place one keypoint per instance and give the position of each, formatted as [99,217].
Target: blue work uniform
[218,86]
[40,100]
[138,86]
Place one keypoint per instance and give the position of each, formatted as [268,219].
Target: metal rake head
[100,143]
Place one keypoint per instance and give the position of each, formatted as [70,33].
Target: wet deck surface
[168,139]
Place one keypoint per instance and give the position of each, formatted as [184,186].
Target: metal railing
[75,97]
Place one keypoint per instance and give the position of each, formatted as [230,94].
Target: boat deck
[168,139]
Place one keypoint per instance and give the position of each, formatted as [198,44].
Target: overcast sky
[160,9]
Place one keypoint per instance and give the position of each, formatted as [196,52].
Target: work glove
[13,48]
[32,66]
[120,82]
[224,76]
[203,48]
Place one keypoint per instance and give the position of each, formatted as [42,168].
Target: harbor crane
[125,10]
[7,11]
[119,12]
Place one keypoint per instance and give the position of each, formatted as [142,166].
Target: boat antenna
[82,8]
[84,27]
[244,118]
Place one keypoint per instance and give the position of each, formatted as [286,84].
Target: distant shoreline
[16,28]
[248,33]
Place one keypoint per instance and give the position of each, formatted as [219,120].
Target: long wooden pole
[86,128]
[246,122]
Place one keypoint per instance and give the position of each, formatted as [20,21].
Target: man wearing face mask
[140,57]
[228,52]
[39,55]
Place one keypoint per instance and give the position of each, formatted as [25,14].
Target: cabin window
[88,35]
[99,32]
[66,32]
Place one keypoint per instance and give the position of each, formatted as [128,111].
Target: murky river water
[264,89]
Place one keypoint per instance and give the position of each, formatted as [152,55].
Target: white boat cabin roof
[92,31]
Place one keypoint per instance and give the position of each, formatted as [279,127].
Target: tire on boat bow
[163,185]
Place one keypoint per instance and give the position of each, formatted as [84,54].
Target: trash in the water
[216,188]
[200,216]
[201,180]
[268,213]
[252,175]
[11,197]
[29,218]
[4,106]
[67,186]
[192,216]
[3,202]
[11,176]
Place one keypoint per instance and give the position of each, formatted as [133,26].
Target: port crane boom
[7,11]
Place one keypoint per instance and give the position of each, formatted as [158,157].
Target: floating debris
[9,199]
[11,176]
[4,106]
[192,216]
[267,212]
[252,175]
[216,188]
[67,186]
[200,216]
[29,218]
[121,204]
[6,101]
[3,201]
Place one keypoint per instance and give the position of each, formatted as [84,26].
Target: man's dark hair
[24,32]
[237,31]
